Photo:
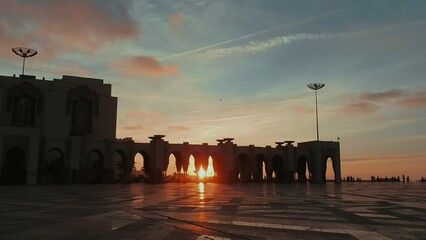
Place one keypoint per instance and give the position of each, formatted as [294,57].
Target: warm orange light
[201,189]
[210,169]
[210,172]
[201,173]
[191,168]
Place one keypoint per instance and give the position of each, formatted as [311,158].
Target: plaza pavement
[214,211]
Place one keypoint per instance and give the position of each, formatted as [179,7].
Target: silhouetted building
[64,131]
[48,126]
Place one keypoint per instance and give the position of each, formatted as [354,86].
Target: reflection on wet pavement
[214,211]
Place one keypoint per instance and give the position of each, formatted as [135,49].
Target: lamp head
[24,52]
[315,86]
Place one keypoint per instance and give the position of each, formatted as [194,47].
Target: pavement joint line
[359,234]
[195,224]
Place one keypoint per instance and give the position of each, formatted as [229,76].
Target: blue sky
[171,63]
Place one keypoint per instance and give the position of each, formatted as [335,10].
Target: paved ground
[214,211]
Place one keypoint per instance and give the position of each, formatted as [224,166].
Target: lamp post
[316,87]
[24,53]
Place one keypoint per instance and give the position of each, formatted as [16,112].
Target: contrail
[299,22]
[226,118]
[253,47]
[261,46]
[214,45]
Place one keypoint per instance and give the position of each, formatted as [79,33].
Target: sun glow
[201,173]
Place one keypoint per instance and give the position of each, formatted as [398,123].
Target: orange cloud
[133,128]
[176,22]
[61,26]
[142,66]
[173,129]
[359,108]
[417,100]
[143,115]
[367,102]
[382,96]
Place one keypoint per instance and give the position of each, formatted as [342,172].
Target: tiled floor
[214,211]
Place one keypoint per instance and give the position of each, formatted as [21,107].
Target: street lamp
[24,53]
[316,87]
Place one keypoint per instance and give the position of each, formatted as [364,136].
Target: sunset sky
[199,70]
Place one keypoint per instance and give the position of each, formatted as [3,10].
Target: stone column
[336,164]
[157,161]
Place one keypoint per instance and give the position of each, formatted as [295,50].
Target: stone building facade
[64,131]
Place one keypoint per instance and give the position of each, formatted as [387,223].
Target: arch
[328,163]
[192,168]
[244,167]
[174,169]
[122,166]
[217,165]
[147,164]
[302,167]
[260,172]
[138,171]
[179,161]
[14,169]
[277,168]
[170,169]
[199,161]
[52,167]
[25,85]
[210,170]
[93,167]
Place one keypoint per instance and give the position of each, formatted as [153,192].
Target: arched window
[23,111]
[23,101]
[82,104]
[81,117]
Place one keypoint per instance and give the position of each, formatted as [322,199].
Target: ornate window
[23,111]
[82,105]
[81,116]
[24,101]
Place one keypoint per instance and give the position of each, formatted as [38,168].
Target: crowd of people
[389,179]
[352,179]
[383,179]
